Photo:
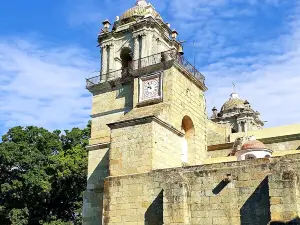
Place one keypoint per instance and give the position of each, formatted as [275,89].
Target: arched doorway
[125,57]
[188,139]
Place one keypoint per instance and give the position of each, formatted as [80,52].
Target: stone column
[246,127]
[150,49]
[104,63]
[136,52]
[136,48]
[111,58]
[239,127]
[144,62]
[144,46]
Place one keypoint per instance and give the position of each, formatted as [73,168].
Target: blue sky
[48,48]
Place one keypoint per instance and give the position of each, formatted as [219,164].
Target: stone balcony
[148,63]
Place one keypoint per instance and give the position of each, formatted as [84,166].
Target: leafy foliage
[42,176]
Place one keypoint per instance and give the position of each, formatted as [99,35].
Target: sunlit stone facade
[154,155]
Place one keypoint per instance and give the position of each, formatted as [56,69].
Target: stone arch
[126,57]
[188,139]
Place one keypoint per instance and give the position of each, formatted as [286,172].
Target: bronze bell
[180,50]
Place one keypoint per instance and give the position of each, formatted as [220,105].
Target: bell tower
[148,109]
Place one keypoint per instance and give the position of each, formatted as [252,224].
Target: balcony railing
[164,57]
[146,62]
[102,78]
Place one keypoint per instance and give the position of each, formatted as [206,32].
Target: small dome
[140,9]
[234,102]
[253,144]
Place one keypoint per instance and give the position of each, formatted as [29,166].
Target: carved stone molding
[144,120]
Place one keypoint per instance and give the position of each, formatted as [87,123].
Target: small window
[267,156]
[249,157]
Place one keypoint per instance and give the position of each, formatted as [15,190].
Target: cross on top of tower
[141,3]
[233,87]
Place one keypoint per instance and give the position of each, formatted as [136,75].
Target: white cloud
[43,86]
[231,46]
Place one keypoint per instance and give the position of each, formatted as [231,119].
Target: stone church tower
[148,159]
[238,114]
[148,108]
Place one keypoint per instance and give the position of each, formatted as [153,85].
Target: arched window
[187,141]
[125,57]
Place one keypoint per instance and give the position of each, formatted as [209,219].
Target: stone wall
[187,99]
[277,144]
[260,191]
[284,145]
[93,197]
[131,149]
[109,105]
[216,133]
[167,152]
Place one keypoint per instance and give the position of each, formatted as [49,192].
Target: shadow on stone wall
[298,148]
[94,195]
[256,210]
[127,95]
[293,222]
[220,187]
[155,213]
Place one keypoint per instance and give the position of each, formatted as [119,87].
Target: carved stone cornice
[98,146]
[138,25]
[107,44]
[269,140]
[138,34]
[144,120]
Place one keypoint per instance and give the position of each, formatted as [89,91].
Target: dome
[253,144]
[141,8]
[234,102]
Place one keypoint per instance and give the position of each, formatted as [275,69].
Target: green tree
[42,176]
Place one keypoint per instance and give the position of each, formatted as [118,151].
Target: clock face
[150,88]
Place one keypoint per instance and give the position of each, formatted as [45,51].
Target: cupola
[253,149]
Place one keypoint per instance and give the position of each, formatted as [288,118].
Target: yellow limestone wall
[260,192]
[270,132]
[109,105]
[216,133]
[186,99]
[139,148]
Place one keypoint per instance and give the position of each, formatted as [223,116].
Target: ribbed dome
[234,102]
[253,144]
[140,9]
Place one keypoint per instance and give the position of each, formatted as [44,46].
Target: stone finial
[106,25]
[141,3]
[174,34]
[117,18]
[168,25]
[215,112]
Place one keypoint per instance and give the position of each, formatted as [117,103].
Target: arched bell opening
[233,131]
[188,138]
[126,57]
